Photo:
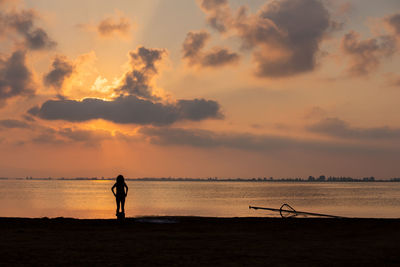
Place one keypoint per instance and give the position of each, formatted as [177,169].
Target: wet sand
[199,241]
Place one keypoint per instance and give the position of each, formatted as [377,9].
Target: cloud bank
[336,127]
[242,141]
[14,124]
[128,109]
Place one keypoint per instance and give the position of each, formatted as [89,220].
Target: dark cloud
[15,77]
[194,42]
[366,54]
[38,39]
[394,22]
[218,12]
[14,124]
[61,70]
[143,69]
[110,26]
[23,23]
[146,58]
[262,143]
[198,109]
[128,109]
[336,127]
[219,57]
[294,28]
[193,51]
[284,35]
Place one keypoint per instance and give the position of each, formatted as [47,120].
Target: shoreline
[199,241]
[250,180]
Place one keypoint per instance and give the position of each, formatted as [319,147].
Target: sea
[93,198]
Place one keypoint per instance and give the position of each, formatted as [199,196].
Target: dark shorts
[120,197]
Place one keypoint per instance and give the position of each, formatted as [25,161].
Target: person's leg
[118,203]
[122,204]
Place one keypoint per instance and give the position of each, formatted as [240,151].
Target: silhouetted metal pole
[295,212]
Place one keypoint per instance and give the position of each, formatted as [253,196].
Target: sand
[199,241]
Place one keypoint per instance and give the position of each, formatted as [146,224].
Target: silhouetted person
[120,194]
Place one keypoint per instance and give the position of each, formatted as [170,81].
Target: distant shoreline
[289,180]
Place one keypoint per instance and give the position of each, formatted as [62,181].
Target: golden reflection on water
[93,199]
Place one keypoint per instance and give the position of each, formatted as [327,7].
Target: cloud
[135,104]
[14,124]
[92,138]
[23,23]
[61,70]
[128,110]
[47,136]
[198,109]
[244,141]
[38,133]
[217,56]
[366,54]
[38,39]
[218,12]
[81,135]
[194,42]
[143,63]
[15,77]
[336,127]
[111,26]
[394,22]
[284,35]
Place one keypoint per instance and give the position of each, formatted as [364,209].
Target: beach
[199,241]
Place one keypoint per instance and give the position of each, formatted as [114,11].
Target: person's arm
[112,189]
[126,193]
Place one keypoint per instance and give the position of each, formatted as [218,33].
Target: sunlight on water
[93,199]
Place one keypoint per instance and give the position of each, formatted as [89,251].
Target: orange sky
[284,88]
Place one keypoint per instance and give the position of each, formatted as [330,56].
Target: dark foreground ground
[191,241]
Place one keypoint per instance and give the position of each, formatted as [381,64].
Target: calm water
[93,199]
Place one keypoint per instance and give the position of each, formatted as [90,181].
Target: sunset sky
[186,88]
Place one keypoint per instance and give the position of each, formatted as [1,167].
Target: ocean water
[93,198]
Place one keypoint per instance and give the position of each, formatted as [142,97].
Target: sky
[199,88]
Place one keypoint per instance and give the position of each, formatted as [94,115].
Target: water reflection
[93,199]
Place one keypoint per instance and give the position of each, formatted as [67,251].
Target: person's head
[120,179]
